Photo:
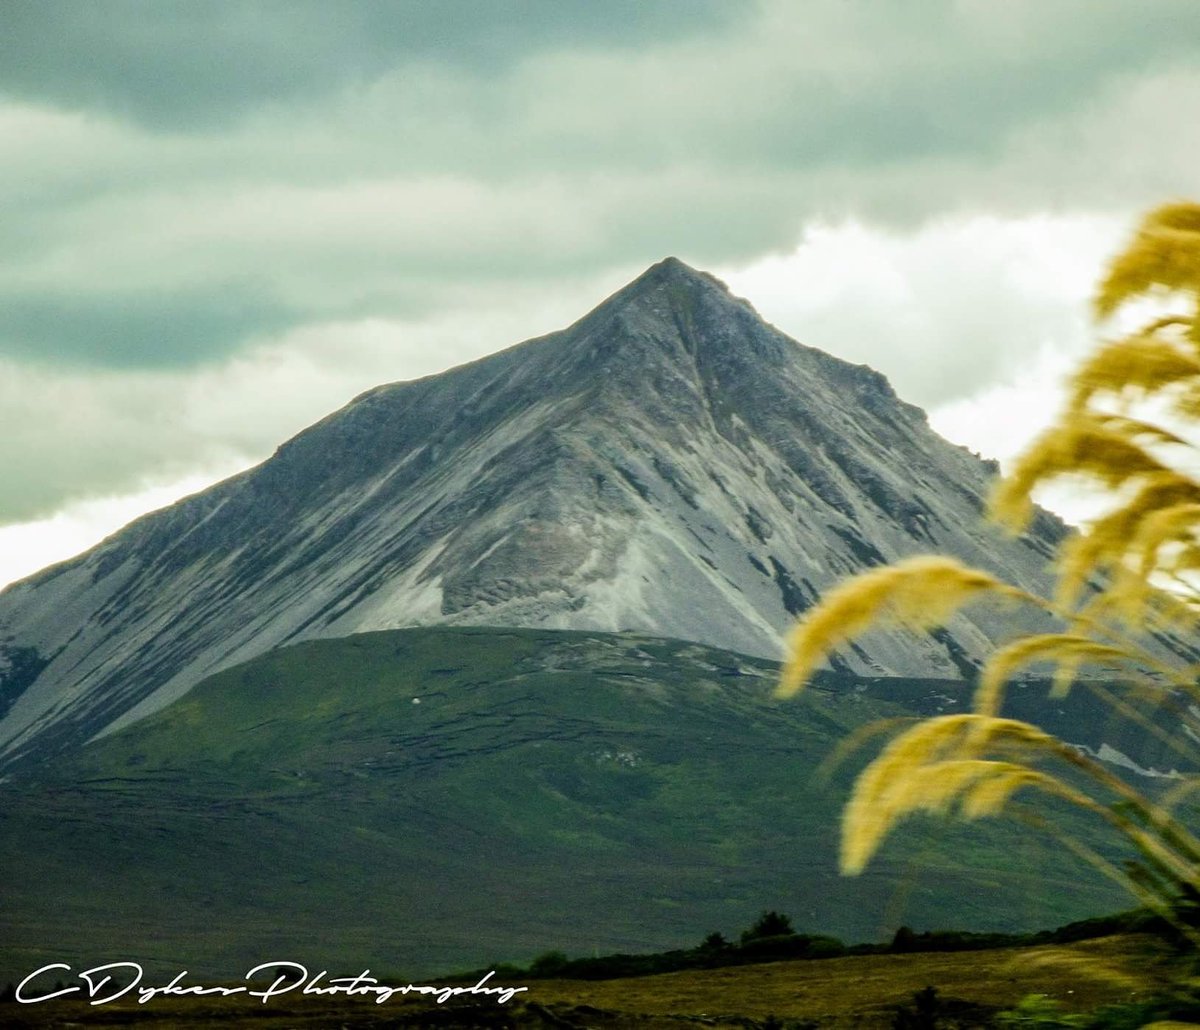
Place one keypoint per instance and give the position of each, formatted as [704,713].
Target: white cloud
[946,311]
[28,547]
[979,319]
[1001,420]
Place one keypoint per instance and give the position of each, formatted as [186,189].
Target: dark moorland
[434,799]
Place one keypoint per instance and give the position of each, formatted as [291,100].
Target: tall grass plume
[1128,589]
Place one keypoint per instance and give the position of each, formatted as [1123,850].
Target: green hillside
[428,799]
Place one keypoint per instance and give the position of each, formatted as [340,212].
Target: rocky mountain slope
[669,464]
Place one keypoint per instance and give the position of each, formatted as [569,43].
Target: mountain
[418,800]
[669,464]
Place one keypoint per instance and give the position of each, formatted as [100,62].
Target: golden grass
[1164,255]
[917,593]
[862,992]
[1103,448]
[1122,581]
[933,766]
[1069,650]
[853,993]
[1136,366]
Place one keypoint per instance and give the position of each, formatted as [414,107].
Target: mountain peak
[669,464]
[672,267]
[667,302]
[672,272]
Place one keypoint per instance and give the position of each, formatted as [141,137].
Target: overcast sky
[222,220]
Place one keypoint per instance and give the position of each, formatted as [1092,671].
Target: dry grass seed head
[1165,253]
[1177,523]
[1180,793]
[1186,402]
[989,796]
[1143,364]
[1122,542]
[1044,647]
[1186,560]
[1083,444]
[1175,611]
[1137,430]
[929,741]
[925,768]
[878,804]
[993,733]
[1065,674]
[981,786]
[856,739]
[918,593]
[937,763]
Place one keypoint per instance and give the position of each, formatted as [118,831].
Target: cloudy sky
[222,219]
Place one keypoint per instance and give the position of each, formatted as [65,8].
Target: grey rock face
[669,464]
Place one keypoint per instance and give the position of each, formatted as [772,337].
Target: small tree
[549,963]
[769,924]
[1129,577]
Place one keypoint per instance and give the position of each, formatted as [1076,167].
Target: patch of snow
[1110,755]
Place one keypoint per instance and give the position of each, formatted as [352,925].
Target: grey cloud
[68,438]
[77,432]
[193,177]
[904,96]
[177,64]
[104,460]
[148,329]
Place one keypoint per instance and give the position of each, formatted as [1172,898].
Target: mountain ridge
[669,463]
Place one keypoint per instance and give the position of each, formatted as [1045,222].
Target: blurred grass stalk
[1124,584]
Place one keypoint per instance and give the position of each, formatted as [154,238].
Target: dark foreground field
[854,993]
